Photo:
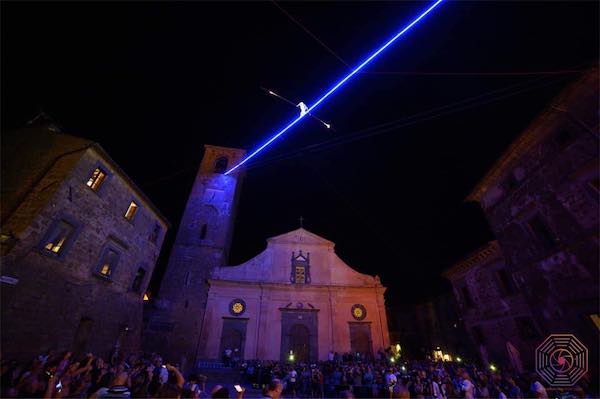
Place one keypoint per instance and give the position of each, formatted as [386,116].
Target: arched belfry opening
[221,165]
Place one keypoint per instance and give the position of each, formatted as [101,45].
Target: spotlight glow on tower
[336,86]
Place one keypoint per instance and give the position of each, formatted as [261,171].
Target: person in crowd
[466,386]
[437,388]
[117,389]
[390,381]
[536,388]
[273,389]
[514,392]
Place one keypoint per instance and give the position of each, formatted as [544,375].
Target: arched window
[203,231]
[221,165]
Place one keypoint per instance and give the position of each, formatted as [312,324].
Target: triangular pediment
[300,236]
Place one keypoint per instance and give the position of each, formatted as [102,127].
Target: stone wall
[202,244]
[541,199]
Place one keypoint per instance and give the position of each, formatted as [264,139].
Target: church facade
[296,296]
[297,300]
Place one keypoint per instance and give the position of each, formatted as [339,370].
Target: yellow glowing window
[131,211]
[58,237]
[146,297]
[300,277]
[105,271]
[108,263]
[96,179]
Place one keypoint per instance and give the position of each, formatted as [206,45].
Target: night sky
[154,82]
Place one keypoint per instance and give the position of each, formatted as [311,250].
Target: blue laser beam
[336,86]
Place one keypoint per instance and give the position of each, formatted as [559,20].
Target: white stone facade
[274,305]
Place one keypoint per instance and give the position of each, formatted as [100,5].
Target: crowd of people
[63,375]
[390,377]
[54,375]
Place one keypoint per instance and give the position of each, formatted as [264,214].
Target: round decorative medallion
[237,307]
[359,312]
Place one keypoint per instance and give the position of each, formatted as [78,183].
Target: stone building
[79,244]
[495,314]
[188,323]
[541,200]
[296,297]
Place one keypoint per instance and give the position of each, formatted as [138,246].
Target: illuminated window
[138,280]
[221,165]
[96,179]
[300,277]
[300,273]
[108,262]
[131,211]
[60,234]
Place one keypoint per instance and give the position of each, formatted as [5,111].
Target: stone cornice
[288,286]
[486,254]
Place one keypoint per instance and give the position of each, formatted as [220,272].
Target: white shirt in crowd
[437,392]
[390,379]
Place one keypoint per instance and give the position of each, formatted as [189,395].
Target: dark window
[96,179]
[478,335]
[542,232]
[203,231]
[564,137]
[595,183]
[58,237]
[188,279]
[138,280]
[510,182]
[505,282]
[108,263]
[466,297]
[155,233]
[592,186]
[526,328]
[221,165]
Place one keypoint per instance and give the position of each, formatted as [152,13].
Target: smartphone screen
[238,388]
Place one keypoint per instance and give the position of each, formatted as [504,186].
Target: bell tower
[202,243]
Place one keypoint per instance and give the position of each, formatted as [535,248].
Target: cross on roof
[301,219]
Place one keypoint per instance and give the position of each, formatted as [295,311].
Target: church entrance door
[300,342]
[360,339]
[233,336]
[299,335]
